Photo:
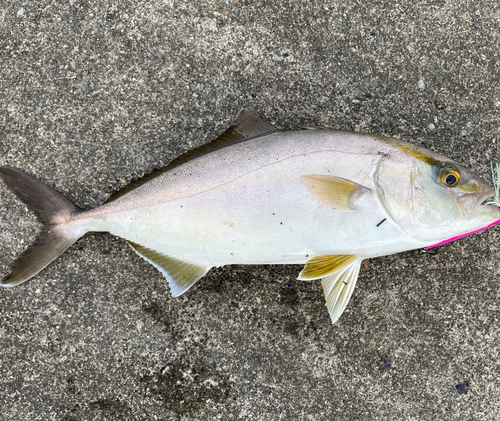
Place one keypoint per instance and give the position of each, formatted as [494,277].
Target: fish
[321,198]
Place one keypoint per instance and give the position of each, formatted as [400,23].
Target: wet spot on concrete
[185,387]
[70,386]
[291,326]
[160,316]
[289,296]
[111,407]
[214,284]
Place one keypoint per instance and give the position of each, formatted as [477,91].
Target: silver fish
[256,195]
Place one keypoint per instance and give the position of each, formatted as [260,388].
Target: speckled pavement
[94,94]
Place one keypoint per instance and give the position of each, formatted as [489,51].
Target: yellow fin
[334,191]
[338,288]
[321,266]
[180,275]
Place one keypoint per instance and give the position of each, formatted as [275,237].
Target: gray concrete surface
[94,94]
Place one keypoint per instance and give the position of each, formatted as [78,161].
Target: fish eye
[449,176]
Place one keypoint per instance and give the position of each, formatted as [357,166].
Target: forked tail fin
[53,210]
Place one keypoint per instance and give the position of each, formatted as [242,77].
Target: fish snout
[476,192]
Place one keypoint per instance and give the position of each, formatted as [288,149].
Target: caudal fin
[52,209]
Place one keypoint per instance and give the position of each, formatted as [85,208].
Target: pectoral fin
[180,275]
[338,192]
[338,277]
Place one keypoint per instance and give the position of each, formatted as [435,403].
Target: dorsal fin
[311,128]
[247,126]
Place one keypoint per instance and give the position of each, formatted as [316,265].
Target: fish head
[430,196]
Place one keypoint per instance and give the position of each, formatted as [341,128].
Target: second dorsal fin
[247,126]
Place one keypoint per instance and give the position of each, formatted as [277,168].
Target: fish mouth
[486,200]
[480,203]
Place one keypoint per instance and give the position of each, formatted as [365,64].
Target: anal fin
[180,275]
[338,276]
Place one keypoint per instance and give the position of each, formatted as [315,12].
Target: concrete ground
[94,94]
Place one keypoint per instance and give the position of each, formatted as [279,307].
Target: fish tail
[53,211]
